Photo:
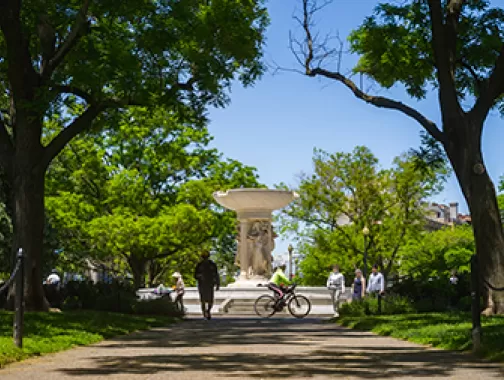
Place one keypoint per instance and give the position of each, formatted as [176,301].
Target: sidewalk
[253,349]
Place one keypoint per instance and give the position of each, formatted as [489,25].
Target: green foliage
[391,305]
[52,332]
[141,50]
[348,192]
[137,198]
[448,331]
[395,46]
[438,253]
[500,198]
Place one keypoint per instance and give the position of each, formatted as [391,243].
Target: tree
[438,253]
[142,240]
[139,193]
[455,47]
[107,55]
[349,192]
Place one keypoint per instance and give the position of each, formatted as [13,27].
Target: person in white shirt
[336,285]
[179,290]
[53,278]
[376,283]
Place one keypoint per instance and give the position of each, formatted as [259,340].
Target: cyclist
[279,282]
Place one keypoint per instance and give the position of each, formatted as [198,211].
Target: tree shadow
[312,354]
[365,364]
[241,332]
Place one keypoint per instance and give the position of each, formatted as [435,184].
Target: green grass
[443,330]
[51,332]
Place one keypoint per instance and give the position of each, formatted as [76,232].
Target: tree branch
[377,101]
[452,22]
[62,89]
[493,89]
[6,147]
[382,102]
[81,123]
[444,39]
[72,38]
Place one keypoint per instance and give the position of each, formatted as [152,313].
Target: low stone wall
[319,297]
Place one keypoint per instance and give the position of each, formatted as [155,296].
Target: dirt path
[252,349]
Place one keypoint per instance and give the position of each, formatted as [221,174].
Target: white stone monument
[255,233]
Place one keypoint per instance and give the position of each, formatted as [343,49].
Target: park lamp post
[290,248]
[365,232]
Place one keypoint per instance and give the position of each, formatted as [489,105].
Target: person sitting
[278,282]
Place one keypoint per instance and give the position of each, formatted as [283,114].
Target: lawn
[443,330]
[52,332]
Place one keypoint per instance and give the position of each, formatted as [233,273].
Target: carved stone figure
[261,244]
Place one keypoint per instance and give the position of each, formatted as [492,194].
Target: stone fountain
[254,209]
[255,244]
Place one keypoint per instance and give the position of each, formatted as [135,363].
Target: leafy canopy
[438,253]
[349,192]
[139,194]
[395,46]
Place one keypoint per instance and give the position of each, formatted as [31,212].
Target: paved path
[252,349]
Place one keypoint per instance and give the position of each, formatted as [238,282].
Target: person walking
[376,285]
[336,286]
[358,286]
[179,291]
[208,277]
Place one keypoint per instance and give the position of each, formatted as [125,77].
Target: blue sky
[275,124]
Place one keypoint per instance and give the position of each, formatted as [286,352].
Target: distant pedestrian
[336,286]
[376,283]
[454,279]
[179,291]
[208,277]
[53,279]
[358,286]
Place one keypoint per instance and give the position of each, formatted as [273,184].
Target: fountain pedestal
[254,209]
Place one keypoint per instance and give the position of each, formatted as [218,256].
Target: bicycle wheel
[264,306]
[299,306]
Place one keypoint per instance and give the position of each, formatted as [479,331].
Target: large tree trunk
[138,270]
[28,189]
[466,157]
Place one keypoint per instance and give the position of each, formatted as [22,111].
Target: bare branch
[307,58]
[492,90]
[73,37]
[382,102]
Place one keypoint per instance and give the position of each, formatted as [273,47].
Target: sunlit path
[254,349]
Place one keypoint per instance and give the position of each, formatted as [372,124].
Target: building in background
[439,216]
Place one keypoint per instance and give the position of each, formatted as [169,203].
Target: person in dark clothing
[208,277]
[358,286]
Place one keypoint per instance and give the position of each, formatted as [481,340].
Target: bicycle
[266,305]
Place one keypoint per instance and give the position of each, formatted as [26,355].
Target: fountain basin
[243,200]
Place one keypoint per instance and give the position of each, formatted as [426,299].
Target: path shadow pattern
[273,349]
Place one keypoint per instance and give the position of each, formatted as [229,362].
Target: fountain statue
[256,238]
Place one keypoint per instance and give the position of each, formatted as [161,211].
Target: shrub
[434,295]
[161,306]
[113,297]
[369,306]
[118,302]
